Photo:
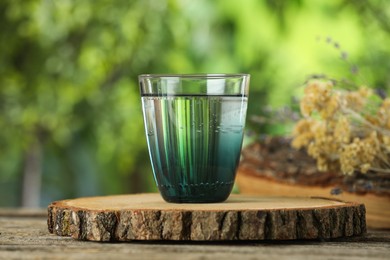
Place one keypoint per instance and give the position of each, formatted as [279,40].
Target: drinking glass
[194,127]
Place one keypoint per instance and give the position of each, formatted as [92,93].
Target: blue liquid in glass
[194,145]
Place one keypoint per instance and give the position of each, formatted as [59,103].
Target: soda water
[194,144]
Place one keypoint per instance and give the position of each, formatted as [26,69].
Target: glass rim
[197,75]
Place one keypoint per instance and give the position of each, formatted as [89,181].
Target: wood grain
[148,217]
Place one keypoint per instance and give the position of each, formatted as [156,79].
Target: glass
[194,129]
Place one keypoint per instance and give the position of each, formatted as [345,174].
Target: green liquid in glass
[194,145]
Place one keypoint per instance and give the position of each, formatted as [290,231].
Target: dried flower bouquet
[345,131]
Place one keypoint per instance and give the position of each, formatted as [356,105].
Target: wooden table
[24,235]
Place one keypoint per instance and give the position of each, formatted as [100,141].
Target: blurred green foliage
[68,75]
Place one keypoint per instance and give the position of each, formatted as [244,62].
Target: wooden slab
[148,217]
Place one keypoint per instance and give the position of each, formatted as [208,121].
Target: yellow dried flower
[342,130]
[319,98]
[386,140]
[344,137]
[304,132]
[356,100]
[384,114]
[365,167]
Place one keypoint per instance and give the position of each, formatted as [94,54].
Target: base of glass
[199,194]
[186,199]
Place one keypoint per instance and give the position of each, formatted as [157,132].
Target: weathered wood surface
[148,217]
[24,235]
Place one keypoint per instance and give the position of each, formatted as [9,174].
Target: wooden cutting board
[241,217]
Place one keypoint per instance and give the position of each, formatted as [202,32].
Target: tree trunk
[32,175]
